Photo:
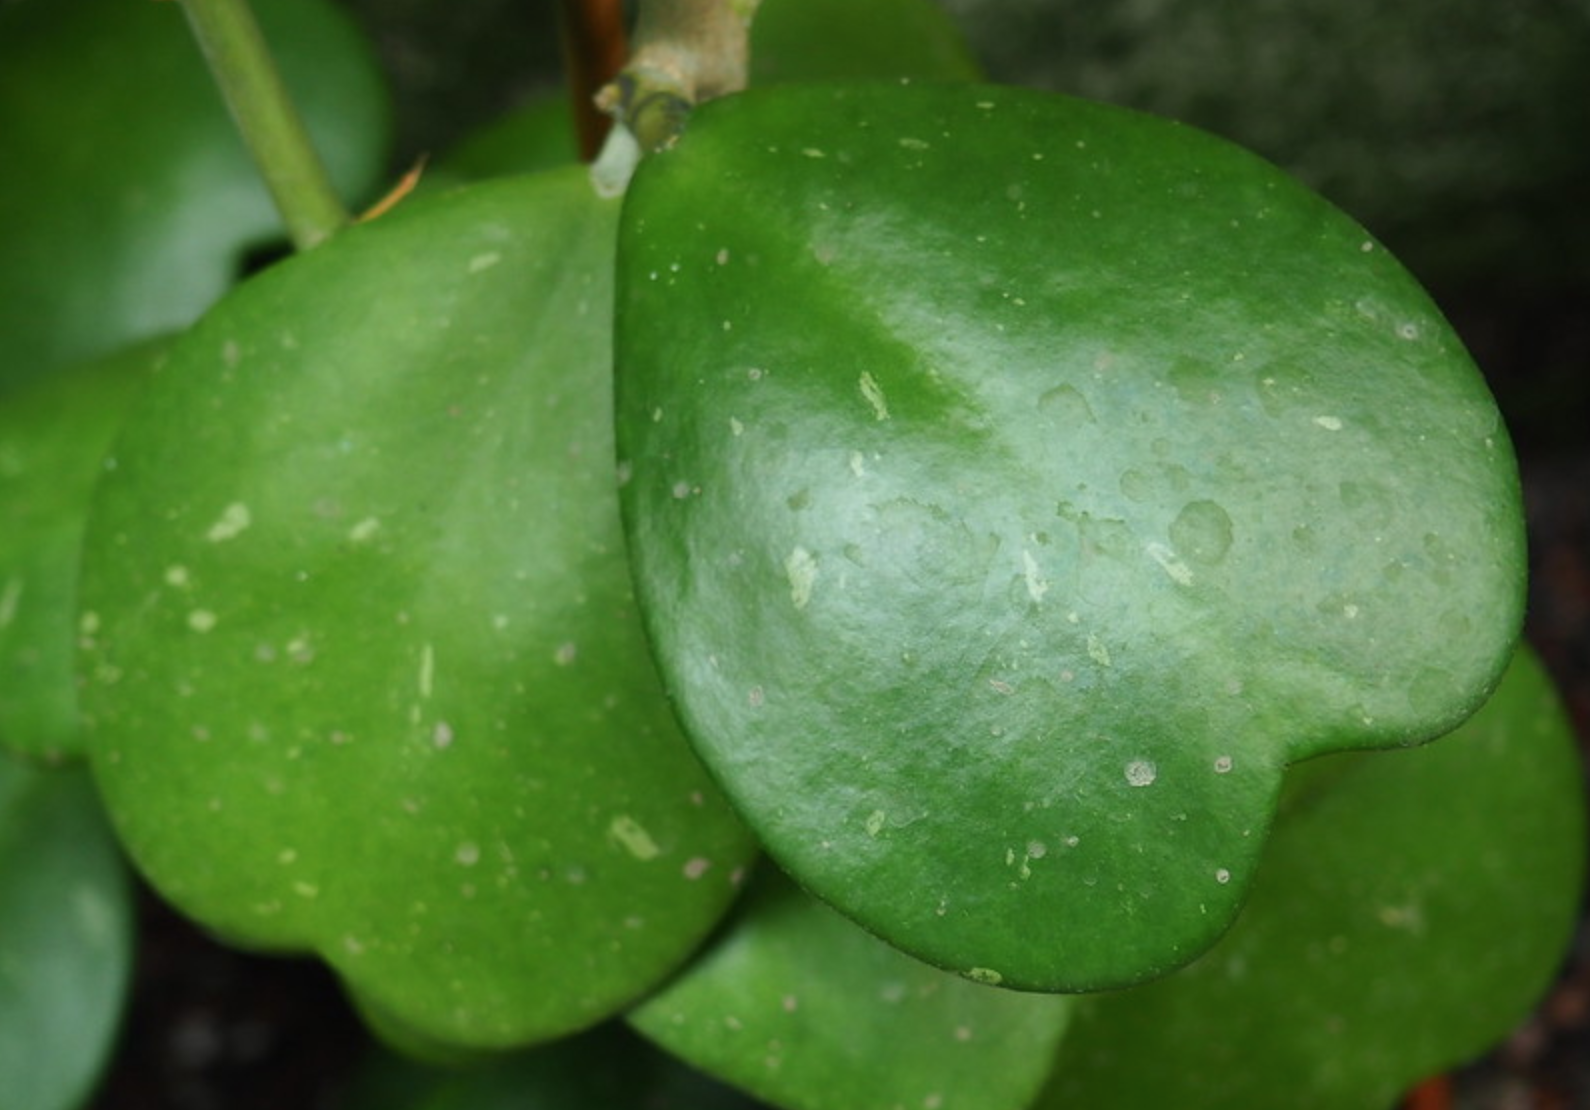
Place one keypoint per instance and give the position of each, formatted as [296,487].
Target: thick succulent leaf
[362,669]
[65,936]
[797,1005]
[1411,907]
[127,201]
[53,436]
[1017,485]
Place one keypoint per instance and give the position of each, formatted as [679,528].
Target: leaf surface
[800,1007]
[1017,485]
[127,200]
[365,674]
[1411,908]
[65,936]
[54,432]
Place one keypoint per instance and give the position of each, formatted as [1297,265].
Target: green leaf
[54,432]
[609,1067]
[127,201]
[798,1006]
[1411,908]
[65,936]
[366,676]
[1017,485]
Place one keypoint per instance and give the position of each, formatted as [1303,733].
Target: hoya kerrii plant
[880,592]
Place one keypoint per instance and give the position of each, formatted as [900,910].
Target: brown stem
[594,48]
[686,51]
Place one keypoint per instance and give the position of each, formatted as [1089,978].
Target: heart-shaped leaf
[65,936]
[1411,907]
[1017,485]
[800,1007]
[126,198]
[363,672]
[53,435]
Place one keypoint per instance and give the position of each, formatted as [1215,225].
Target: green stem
[241,63]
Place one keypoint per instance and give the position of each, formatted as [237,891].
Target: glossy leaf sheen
[1411,908]
[65,936]
[363,673]
[1017,485]
[799,1006]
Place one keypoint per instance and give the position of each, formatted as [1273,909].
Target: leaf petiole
[234,48]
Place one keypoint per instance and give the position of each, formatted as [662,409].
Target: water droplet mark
[1141,772]
[1201,533]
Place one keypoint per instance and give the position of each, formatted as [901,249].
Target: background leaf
[54,432]
[609,1067]
[1410,909]
[797,1005]
[127,201]
[65,936]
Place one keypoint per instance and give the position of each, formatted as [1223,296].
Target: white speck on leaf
[695,867]
[1037,584]
[635,839]
[175,576]
[875,821]
[201,620]
[985,975]
[1170,563]
[873,392]
[468,854]
[233,521]
[484,261]
[1097,651]
[1329,423]
[1141,772]
[363,530]
[802,570]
